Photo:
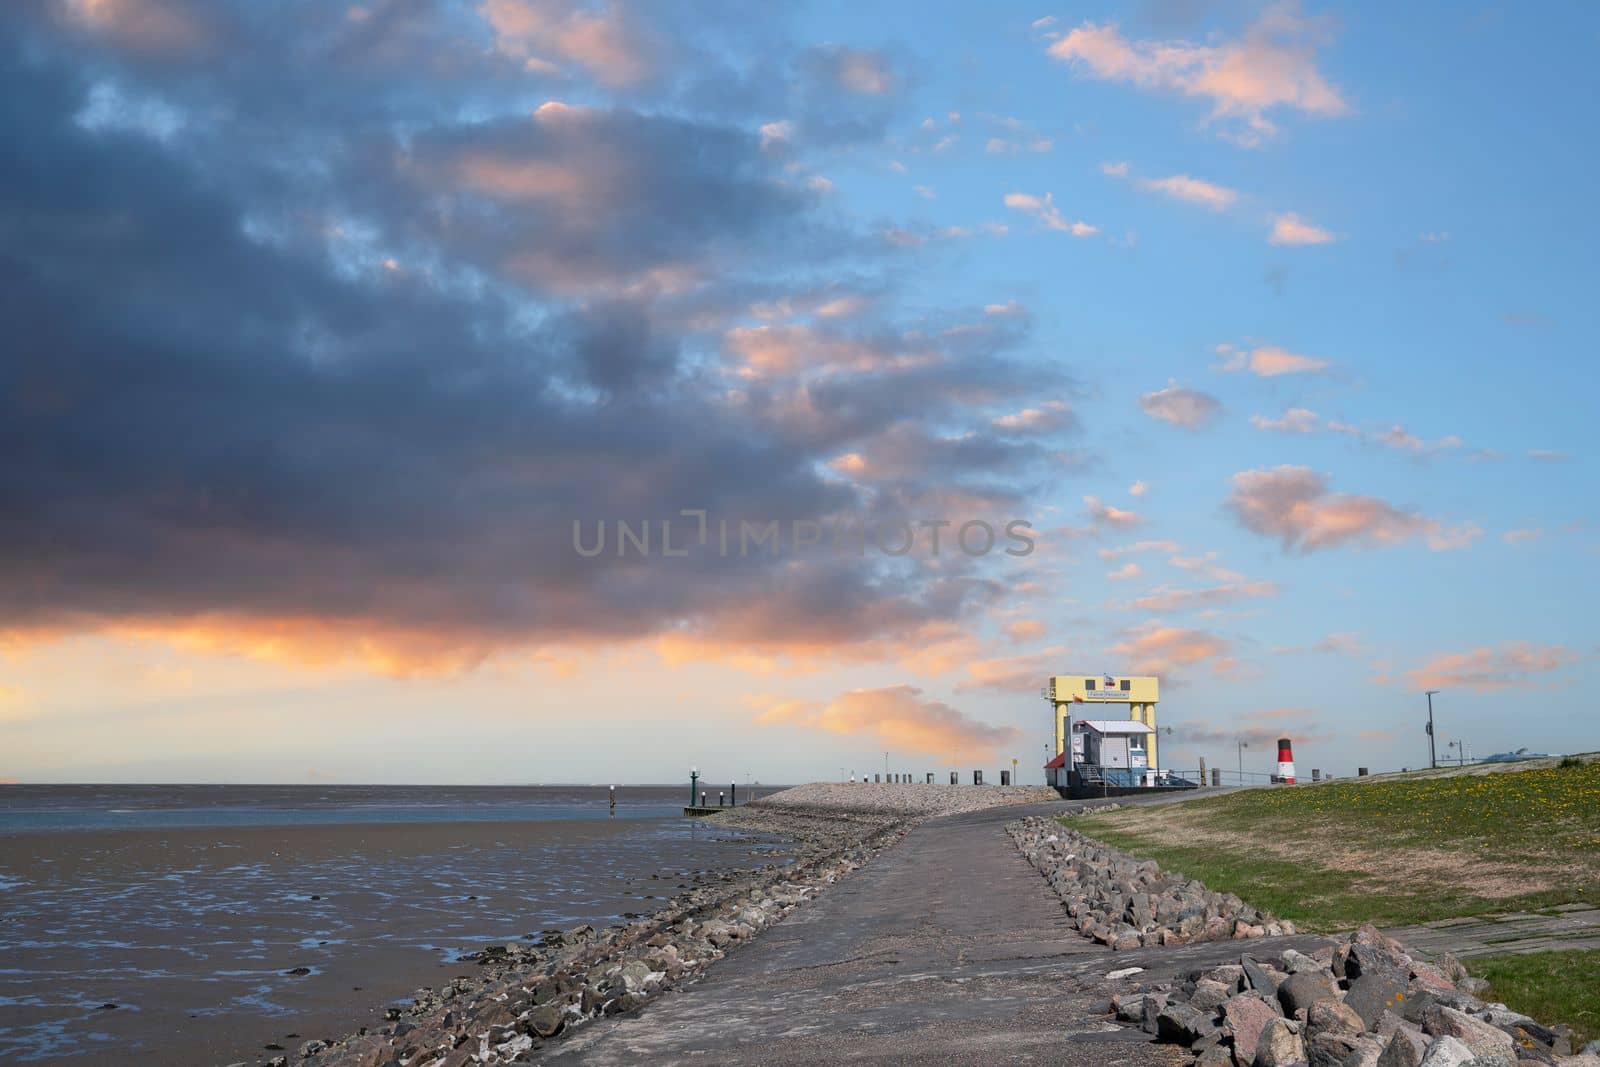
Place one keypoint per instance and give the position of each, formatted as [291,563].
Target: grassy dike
[1336,855]
[1398,853]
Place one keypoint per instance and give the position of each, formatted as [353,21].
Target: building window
[1088,683]
[1126,685]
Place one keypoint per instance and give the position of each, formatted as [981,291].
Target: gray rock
[1375,992]
[1401,1051]
[1295,962]
[1153,1003]
[1366,1054]
[1209,994]
[1447,1052]
[1281,1045]
[1179,1024]
[1257,976]
[1329,1049]
[1475,986]
[1489,1044]
[1215,1056]
[1300,991]
[547,1019]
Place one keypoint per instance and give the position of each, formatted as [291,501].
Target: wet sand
[191,932]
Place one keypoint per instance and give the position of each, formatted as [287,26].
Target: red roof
[1057,763]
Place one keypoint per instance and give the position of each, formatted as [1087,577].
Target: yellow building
[1082,696]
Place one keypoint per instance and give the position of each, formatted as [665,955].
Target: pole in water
[613,800]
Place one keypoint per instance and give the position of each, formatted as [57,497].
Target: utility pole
[1433,758]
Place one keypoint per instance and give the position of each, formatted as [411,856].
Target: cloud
[1012,674]
[1102,514]
[1487,669]
[1294,505]
[1257,729]
[602,41]
[1187,408]
[266,441]
[1118,169]
[899,716]
[1109,554]
[1158,649]
[1290,229]
[1124,572]
[1519,536]
[1051,416]
[1548,455]
[1269,361]
[154,27]
[1349,644]
[1138,489]
[1025,629]
[1273,66]
[1396,437]
[1049,216]
[1168,599]
[1192,190]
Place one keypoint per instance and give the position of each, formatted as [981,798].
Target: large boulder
[1245,1016]
[1180,1024]
[1331,1016]
[1331,1049]
[1299,991]
[1489,1044]
[1209,995]
[1280,1045]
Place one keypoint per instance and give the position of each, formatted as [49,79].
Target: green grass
[1553,987]
[1396,852]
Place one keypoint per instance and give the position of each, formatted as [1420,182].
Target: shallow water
[190,929]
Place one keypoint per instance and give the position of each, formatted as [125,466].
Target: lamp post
[694,786]
[1242,746]
[1433,759]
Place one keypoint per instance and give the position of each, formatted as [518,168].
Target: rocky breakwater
[521,995]
[1129,903]
[1363,1003]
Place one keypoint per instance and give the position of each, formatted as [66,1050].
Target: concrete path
[1570,926]
[947,949]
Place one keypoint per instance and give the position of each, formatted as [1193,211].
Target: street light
[1242,746]
[1433,759]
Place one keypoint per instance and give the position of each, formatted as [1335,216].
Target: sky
[359,358]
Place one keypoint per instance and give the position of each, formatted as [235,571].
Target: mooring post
[954,777]
[613,800]
[694,784]
[977,777]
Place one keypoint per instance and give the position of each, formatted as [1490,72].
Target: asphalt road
[947,949]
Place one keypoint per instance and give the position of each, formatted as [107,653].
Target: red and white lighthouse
[1285,761]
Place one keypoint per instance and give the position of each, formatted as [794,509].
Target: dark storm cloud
[223,407]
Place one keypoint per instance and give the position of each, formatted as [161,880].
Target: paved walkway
[947,949]
[1570,926]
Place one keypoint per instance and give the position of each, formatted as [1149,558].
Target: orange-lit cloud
[1101,513]
[1013,674]
[1294,505]
[899,716]
[1491,668]
[1273,65]
[1157,649]
[1187,408]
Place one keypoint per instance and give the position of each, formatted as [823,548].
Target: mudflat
[214,943]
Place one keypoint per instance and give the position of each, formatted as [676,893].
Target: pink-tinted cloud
[1193,190]
[1166,598]
[1269,361]
[1124,572]
[154,27]
[1181,406]
[1521,536]
[1013,674]
[1290,229]
[1272,66]
[1048,215]
[1103,514]
[1484,669]
[1294,505]
[899,716]
[545,34]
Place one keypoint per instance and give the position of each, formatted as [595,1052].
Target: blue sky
[1274,321]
